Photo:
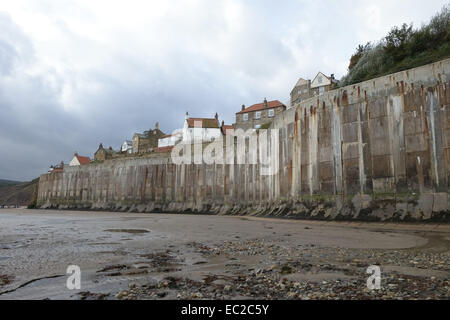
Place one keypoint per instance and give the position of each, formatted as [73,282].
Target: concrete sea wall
[377,150]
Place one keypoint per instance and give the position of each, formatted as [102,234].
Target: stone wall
[378,150]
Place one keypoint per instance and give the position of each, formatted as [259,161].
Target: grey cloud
[97,81]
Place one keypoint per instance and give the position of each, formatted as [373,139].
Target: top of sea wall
[428,75]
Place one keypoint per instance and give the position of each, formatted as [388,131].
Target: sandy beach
[164,256]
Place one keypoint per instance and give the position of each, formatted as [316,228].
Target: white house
[170,140]
[201,129]
[79,160]
[127,146]
[322,84]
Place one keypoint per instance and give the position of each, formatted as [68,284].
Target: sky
[77,73]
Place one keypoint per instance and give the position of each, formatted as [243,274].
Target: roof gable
[83,160]
[301,82]
[320,80]
[260,106]
[205,122]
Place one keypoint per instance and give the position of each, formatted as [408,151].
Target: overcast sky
[77,73]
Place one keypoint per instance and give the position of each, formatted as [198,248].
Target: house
[78,160]
[301,91]
[305,89]
[258,115]
[226,129]
[127,147]
[196,130]
[147,141]
[170,140]
[103,154]
[322,84]
[57,168]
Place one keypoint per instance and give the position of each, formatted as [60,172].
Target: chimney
[62,164]
[156,125]
[110,148]
[100,146]
[332,76]
[223,123]
[187,115]
[265,103]
[243,107]
[75,154]
[216,116]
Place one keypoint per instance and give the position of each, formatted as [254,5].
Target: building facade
[127,147]
[78,160]
[197,130]
[322,84]
[301,91]
[147,141]
[103,154]
[170,140]
[305,89]
[258,115]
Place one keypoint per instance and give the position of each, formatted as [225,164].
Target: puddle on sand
[4,258]
[134,231]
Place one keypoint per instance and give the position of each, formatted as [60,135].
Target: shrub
[403,48]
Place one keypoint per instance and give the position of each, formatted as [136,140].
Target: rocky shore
[130,256]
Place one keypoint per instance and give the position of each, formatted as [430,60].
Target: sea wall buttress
[377,150]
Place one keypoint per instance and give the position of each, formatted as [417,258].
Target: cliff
[377,150]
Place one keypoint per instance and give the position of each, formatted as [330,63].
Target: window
[258,126]
[321,90]
[245,117]
[319,79]
[257,115]
[271,113]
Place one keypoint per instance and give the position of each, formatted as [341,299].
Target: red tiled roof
[206,122]
[83,160]
[163,149]
[225,128]
[260,106]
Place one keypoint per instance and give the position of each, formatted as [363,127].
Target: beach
[181,256]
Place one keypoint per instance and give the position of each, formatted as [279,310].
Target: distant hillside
[4,183]
[17,193]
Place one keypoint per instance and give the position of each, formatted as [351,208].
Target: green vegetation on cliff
[403,48]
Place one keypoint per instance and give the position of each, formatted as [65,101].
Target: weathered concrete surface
[378,150]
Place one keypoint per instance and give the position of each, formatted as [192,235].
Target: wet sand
[164,256]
